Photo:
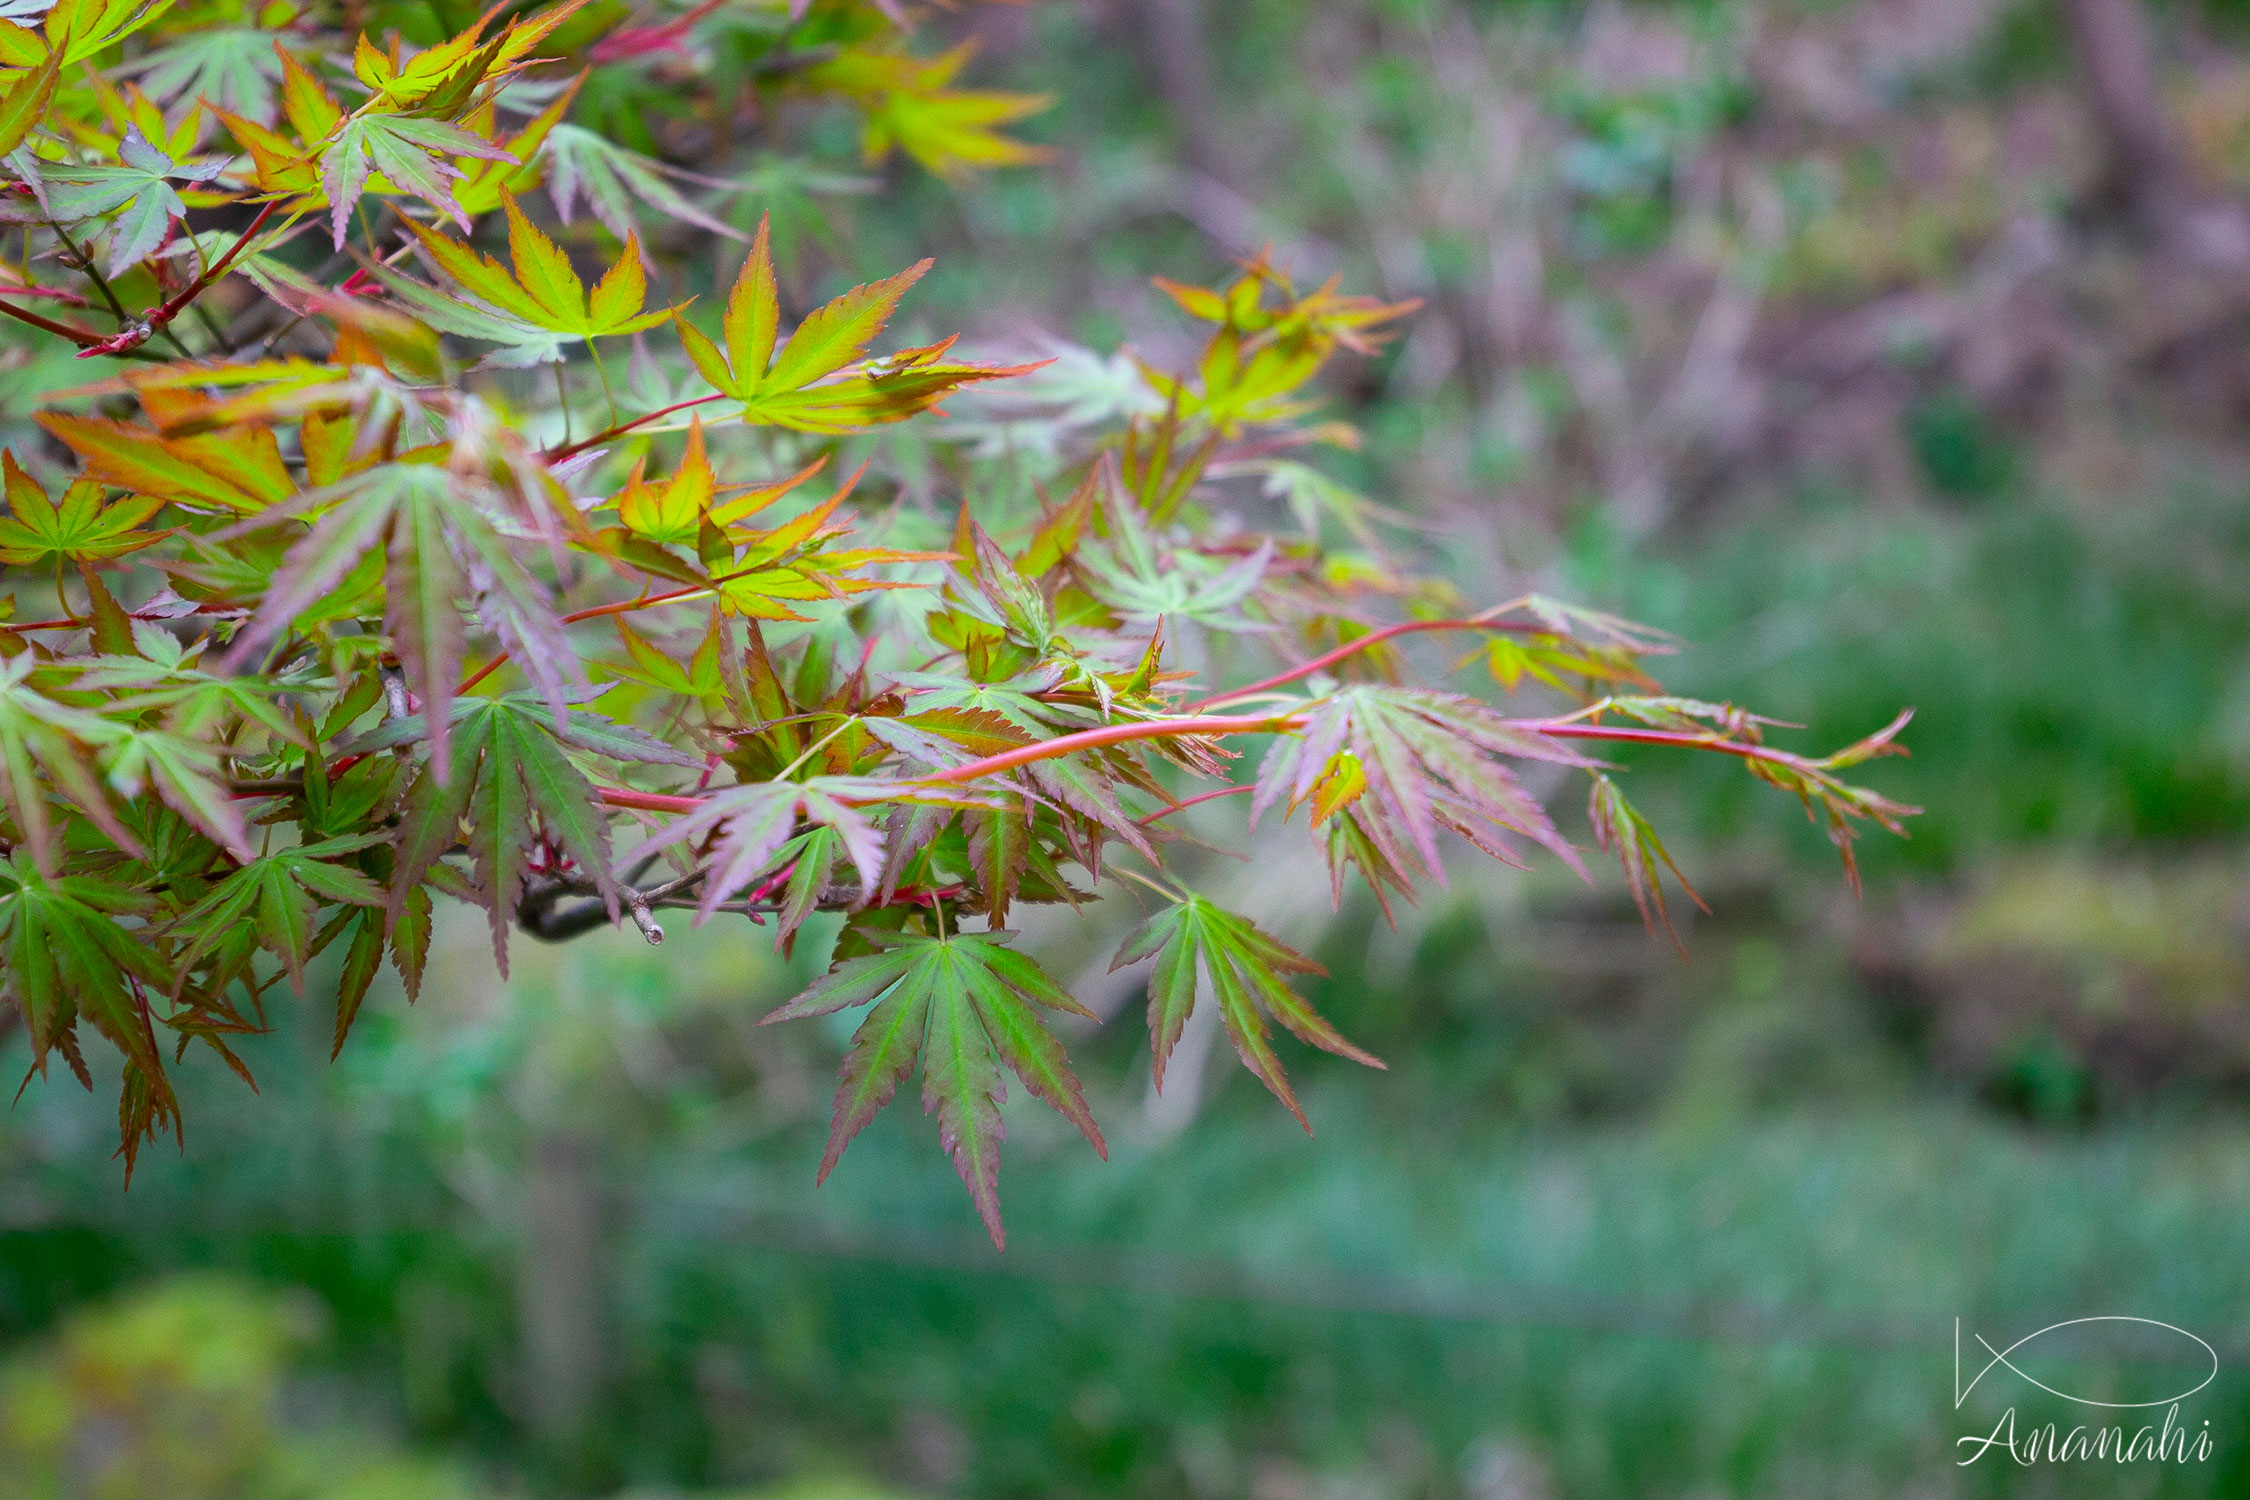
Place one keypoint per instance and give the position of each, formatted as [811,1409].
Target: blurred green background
[1864,344]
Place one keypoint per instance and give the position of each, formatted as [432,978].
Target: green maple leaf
[673,512]
[441,79]
[965,1007]
[579,729]
[1620,829]
[1555,659]
[239,471]
[1000,844]
[363,956]
[909,102]
[195,702]
[1015,601]
[762,573]
[1147,582]
[38,734]
[66,956]
[75,30]
[507,775]
[403,132]
[274,898]
[38,533]
[699,678]
[25,103]
[1201,948]
[816,381]
[1084,785]
[1837,803]
[538,306]
[1014,702]
[943,737]
[233,68]
[190,775]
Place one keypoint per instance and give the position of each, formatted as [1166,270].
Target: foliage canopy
[427,536]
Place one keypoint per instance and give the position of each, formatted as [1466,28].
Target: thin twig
[1116,734]
[87,268]
[1486,620]
[118,343]
[82,337]
[1165,812]
[554,455]
[622,607]
[162,316]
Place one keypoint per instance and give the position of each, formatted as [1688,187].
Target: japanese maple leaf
[752,824]
[63,957]
[140,193]
[1199,946]
[48,745]
[230,67]
[276,898]
[911,104]
[405,131]
[1395,765]
[38,533]
[443,536]
[580,163]
[671,513]
[412,153]
[537,306]
[965,1007]
[816,381]
[505,767]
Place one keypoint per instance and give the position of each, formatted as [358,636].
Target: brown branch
[2148,171]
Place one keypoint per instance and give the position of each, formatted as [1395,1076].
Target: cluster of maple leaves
[363,583]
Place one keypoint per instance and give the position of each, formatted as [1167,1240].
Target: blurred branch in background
[1171,41]
[2147,172]
[563,1295]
